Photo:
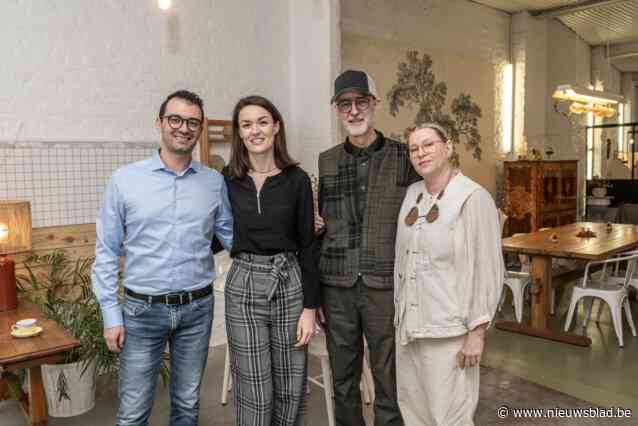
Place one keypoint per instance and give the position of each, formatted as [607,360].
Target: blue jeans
[147,329]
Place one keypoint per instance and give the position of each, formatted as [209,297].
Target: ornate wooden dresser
[540,194]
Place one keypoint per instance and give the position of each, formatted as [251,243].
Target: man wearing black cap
[362,183]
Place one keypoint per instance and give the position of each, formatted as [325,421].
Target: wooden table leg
[540,290]
[4,390]
[37,401]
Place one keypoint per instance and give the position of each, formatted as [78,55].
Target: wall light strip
[507,107]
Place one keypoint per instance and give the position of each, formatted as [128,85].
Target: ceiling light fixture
[567,92]
[164,4]
[583,100]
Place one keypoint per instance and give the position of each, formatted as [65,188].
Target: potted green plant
[61,287]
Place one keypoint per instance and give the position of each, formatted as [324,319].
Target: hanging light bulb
[164,4]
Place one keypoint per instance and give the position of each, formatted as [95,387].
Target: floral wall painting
[418,82]
[416,87]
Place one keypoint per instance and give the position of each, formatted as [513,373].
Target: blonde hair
[440,131]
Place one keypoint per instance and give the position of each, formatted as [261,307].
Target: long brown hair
[239,161]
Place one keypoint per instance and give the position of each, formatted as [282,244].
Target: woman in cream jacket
[448,278]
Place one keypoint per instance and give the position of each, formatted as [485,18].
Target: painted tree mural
[416,86]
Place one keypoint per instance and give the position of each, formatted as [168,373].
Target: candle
[4,233]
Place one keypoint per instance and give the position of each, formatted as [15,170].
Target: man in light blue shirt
[161,214]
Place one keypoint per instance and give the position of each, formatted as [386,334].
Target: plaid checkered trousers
[264,300]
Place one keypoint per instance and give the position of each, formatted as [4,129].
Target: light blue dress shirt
[162,223]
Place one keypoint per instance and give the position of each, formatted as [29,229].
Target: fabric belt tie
[279,272]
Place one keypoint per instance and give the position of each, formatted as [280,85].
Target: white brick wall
[95,71]
[98,70]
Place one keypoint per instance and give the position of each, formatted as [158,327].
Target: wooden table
[540,247]
[47,348]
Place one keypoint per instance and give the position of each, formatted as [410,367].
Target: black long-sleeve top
[278,219]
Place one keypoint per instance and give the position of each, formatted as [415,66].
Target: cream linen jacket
[449,273]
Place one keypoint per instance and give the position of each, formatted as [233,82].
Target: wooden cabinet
[540,194]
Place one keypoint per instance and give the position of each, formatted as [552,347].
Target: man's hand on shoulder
[114,337]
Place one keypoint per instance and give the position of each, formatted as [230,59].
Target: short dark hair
[239,164]
[188,96]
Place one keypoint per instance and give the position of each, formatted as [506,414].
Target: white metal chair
[633,280]
[611,288]
[517,282]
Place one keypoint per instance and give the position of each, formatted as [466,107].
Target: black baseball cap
[354,80]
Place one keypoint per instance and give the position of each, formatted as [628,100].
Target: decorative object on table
[599,187]
[609,227]
[25,332]
[27,327]
[26,323]
[15,237]
[549,151]
[554,238]
[521,149]
[61,287]
[586,233]
[536,155]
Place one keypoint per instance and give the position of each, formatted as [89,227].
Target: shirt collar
[367,151]
[156,163]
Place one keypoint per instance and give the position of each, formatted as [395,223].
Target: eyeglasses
[344,106]
[427,146]
[175,122]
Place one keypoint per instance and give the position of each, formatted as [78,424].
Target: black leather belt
[174,298]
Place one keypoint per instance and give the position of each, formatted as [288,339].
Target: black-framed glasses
[175,122]
[345,105]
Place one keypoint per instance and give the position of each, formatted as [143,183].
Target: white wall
[95,70]
[468,43]
[90,70]
[459,26]
[315,60]
[86,79]
[568,62]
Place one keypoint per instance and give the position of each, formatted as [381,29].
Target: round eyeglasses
[175,122]
[344,106]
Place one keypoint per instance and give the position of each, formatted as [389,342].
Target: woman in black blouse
[272,289]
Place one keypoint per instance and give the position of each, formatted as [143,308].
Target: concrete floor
[497,388]
[604,373]
[520,371]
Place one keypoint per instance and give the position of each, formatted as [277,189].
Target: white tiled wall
[63,181]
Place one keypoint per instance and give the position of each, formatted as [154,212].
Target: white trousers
[432,390]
